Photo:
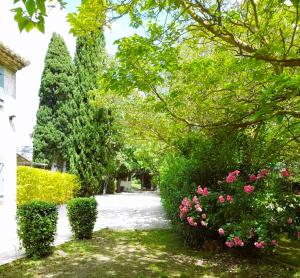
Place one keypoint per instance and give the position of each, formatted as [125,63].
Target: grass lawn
[156,253]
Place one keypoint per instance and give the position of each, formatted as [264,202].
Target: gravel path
[126,211]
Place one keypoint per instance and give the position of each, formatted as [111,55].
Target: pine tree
[52,132]
[91,151]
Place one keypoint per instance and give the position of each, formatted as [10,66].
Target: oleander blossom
[191,221]
[199,190]
[290,220]
[221,199]
[259,245]
[184,207]
[229,198]
[264,172]
[195,200]
[203,223]
[230,179]
[252,178]
[205,191]
[248,188]
[229,244]
[238,242]
[285,173]
[198,208]
[221,232]
[273,242]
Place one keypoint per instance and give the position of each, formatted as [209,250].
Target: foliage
[250,29]
[92,146]
[37,227]
[31,14]
[37,184]
[245,211]
[51,137]
[111,187]
[82,213]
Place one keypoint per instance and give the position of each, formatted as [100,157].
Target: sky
[33,47]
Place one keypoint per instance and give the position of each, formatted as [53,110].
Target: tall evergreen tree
[52,132]
[91,153]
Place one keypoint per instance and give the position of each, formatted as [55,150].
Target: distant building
[24,161]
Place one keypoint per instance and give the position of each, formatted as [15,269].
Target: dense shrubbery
[37,184]
[206,162]
[244,211]
[37,227]
[82,213]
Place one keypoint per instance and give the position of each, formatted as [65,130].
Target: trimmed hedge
[38,184]
[37,222]
[82,213]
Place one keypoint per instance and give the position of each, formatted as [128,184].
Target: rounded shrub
[37,222]
[82,213]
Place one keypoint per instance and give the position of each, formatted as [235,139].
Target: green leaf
[30,7]
[41,6]
[41,24]
[22,22]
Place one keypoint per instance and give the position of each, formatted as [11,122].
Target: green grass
[156,253]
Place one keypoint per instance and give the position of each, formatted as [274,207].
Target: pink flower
[203,216]
[205,191]
[260,244]
[290,220]
[229,198]
[203,223]
[259,176]
[235,173]
[186,202]
[273,242]
[221,232]
[237,241]
[199,190]
[198,208]
[191,221]
[229,244]
[195,200]
[230,178]
[264,172]
[285,173]
[248,188]
[221,199]
[252,178]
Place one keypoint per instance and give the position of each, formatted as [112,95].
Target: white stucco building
[10,63]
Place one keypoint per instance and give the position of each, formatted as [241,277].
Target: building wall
[8,158]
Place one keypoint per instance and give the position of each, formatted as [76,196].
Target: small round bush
[37,222]
[82,213]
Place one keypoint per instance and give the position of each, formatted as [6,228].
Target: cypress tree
[51,135]
[91,151]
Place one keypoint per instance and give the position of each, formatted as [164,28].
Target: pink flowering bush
[244,211]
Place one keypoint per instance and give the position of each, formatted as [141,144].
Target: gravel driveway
[124,211]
